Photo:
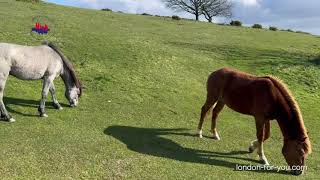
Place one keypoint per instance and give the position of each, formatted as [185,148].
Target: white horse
[44,62]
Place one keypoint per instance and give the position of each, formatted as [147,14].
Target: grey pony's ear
[82,87]
[45,42]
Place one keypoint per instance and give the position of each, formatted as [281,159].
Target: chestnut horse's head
[295,152]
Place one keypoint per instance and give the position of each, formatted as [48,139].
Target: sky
[303,15]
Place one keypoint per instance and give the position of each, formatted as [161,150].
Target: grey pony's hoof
[11,120]
[43,115]
[4,118]
[57,106]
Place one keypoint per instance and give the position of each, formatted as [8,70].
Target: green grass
[145,83]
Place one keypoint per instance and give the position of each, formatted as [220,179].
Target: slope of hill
[145,83]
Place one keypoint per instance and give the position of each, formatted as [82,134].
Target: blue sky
[301,15]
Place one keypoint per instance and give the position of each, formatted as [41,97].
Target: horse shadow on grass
[149,141]
[25,103]
[315,61]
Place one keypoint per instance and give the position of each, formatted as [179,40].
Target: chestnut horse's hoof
[264,162]
[297,172]
[216,138]
[199,133]
[251,149]
[253,146]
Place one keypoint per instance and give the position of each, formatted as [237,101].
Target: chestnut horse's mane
[289,98]
[286,93]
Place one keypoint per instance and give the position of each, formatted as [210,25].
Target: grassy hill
[145,83]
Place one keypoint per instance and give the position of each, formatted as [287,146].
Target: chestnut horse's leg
[266,130]
[215,112]
[204,110]
[254,144]
[260,126]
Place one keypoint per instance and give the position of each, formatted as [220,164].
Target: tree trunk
[210,20]
[197,17]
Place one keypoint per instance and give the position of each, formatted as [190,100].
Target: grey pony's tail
[67,63]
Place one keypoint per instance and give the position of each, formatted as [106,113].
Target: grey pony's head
[73,96]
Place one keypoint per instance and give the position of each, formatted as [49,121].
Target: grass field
[145,83]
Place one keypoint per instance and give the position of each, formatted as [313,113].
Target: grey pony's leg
[45,90]
[54,97]
[3,111]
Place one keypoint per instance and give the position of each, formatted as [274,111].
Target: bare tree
[190,6]
[213,8]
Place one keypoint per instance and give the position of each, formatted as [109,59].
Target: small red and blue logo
[40,29]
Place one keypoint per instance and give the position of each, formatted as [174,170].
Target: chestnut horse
[265,98]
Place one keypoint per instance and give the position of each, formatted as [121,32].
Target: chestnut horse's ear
[303,139]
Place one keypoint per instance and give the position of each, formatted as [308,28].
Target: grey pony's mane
[67,63]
